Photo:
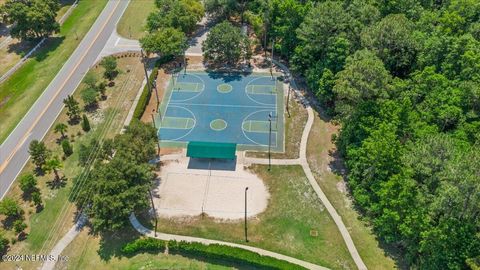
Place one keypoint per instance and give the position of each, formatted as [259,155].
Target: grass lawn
[132,24]
[12,53]
[21,90]
[90,252]
[293,132]
[295,222]
[322,165]
[48,226]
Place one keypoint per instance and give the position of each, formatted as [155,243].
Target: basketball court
[223,107]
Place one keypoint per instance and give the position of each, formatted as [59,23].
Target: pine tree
[67,147]
[85,123]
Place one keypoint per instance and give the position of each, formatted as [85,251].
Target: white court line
[223,105]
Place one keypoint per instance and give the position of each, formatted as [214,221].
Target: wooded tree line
[403,79]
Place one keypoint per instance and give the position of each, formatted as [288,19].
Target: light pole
[246,237]
[269,140]
[271,62]
[154,211]
[288,99]
[148,80]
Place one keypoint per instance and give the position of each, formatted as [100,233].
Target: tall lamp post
[269,140]
[246,237]
[288,99]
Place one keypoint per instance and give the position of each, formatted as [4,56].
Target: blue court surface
[217,107]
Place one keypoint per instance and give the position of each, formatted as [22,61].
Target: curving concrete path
[164,236]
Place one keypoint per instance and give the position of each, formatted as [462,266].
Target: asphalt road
[35,124]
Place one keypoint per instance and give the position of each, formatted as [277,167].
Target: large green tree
[165,42]
[363,79]
[120,186]
[181,14]
[226,44]
[31,18]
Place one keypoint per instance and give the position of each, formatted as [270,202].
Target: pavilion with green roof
[215,150]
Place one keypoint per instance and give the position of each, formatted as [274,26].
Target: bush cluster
[210,252]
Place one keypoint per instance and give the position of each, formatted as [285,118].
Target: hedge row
[145,97]
[213,252]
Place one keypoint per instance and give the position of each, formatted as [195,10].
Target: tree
[164,42]
[19,226]
[118,187]
[364,78]
[53,165]
[89,97]
[90,80]
[225,44]
[73,108]
[61,128]
[39,153]
[28,183]
[3,242]
[85,123]
[37,198]
[67,147]
[109,63]
[393,40]
[32,19]
[180,14]
[10,208]
[222,9]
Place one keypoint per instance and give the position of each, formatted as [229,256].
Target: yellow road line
[21,141]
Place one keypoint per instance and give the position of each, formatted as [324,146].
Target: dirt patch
[4,101]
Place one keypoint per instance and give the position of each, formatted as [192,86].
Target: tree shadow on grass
[57,183]
[111,243]
[23,47]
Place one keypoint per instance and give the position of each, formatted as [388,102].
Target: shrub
[144,244]
[19,226]
[10,208]
[37,198]
[67,147]
[110,65]
[145,97]
[3,241]
[85,123]
[28,183]
[89,97]
[213,252]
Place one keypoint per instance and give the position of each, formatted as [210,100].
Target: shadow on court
[212,164]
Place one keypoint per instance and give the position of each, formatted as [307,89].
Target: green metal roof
[211,150]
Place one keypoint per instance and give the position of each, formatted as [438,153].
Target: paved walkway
[64,242]
[164,236]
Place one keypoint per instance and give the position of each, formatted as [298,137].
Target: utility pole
[288,99]
[185,62]
[271,62]
[148,80]
[154,211]
[246,235]
[269,140]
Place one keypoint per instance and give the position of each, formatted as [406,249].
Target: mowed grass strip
[16,49]
[295,222]
[107,122]
[21,90]
[92,252]
[133,22]
[323,164]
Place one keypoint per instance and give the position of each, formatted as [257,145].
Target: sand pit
[183,191]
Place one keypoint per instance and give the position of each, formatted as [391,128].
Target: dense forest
[403,79]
